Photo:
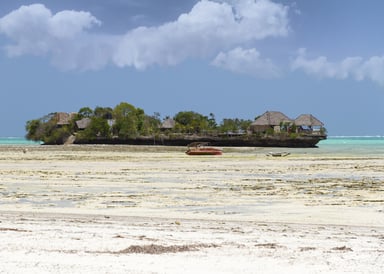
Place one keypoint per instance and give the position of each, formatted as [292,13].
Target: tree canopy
[124,121]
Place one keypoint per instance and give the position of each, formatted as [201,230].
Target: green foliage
[191,122]
[126,121]
[98,128]
[57,136]
[105,113]
[85,112]
[125,127]
[234,125]
[212,121]
[45,129]
[323,131]
[123,110]
[33,128]
[150,125]
[270,131]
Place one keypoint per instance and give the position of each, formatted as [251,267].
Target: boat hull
[204,151]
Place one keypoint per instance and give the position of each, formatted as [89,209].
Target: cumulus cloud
[211,27]
[356,68]
[35,29]
[246,61]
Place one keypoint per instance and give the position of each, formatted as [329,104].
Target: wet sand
[126,209]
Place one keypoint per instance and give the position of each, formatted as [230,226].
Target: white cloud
[209,28]
[36,30]
[351,67]
[246,61]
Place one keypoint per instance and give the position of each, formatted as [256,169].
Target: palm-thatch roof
[62,118]
[308,120]
[168,123]
[83,123]
[271,118]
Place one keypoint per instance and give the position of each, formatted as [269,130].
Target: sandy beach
[127,209]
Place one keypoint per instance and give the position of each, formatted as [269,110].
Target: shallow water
[358,146]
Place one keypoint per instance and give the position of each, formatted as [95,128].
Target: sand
[126,209]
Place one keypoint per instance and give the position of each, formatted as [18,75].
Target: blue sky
[233,58]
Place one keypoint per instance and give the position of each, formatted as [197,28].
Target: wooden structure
[270,120]
[83,123]
[168,124]
[308,123]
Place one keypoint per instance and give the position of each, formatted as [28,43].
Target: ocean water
[357,145]
[17,141]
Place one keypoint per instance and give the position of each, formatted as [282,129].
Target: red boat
[202,149]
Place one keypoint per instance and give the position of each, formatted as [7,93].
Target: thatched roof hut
[64,118]
[270,119]
[83,123]
[168,123]
[308,120]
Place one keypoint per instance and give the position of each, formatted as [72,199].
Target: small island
[127,124]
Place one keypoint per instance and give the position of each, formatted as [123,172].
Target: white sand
[90,209]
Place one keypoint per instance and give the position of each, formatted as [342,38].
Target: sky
[232,58]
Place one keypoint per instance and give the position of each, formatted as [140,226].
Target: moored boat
[278,154]
[198,148]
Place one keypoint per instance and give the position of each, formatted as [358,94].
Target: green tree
[123,110]
[126,122]
[228,125]
[98,128]
[191,122]
[103,112]
[140,119]
[212,121]
[234,125]
[150,125]
[85,112]
[46,130]
[33,128]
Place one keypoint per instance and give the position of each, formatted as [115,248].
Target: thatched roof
[62,118]
[83,123]
[308,120]
[271,118]
[168,123]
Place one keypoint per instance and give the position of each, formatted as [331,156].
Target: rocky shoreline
[224,141]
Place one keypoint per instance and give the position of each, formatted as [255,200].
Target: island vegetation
[127,124]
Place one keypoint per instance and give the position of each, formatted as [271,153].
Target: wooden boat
[278,154]
[198,148]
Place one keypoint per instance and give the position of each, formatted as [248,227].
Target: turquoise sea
[16,141]
[358,145]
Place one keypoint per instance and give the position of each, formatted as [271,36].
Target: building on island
[83,123]
[270,120]
[276,121]
[308,123]
[168,124]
